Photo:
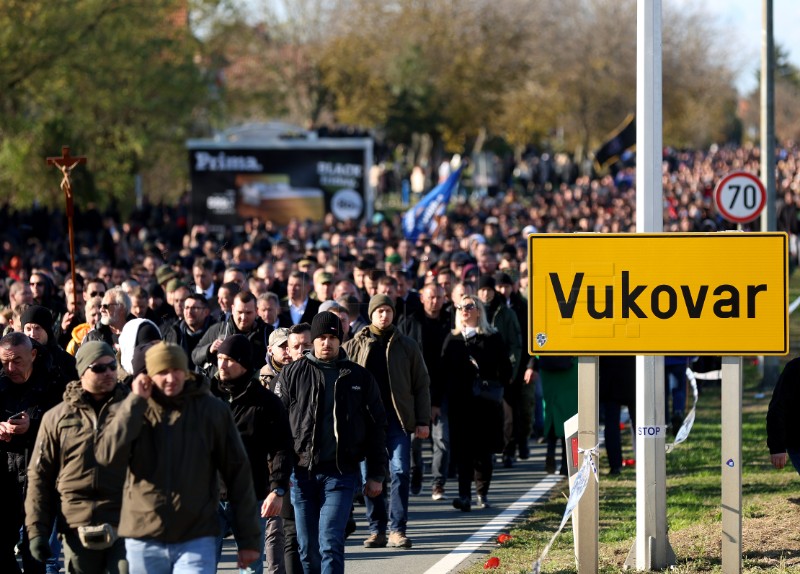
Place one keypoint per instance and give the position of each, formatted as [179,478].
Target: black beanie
[326,323]
[147,333]
[238,348]
[40,316]
[137,361]
[486,282]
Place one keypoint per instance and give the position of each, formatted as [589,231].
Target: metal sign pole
[651,549]
[731,465]
[587,513]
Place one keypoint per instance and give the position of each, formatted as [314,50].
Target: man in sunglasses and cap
[64,478]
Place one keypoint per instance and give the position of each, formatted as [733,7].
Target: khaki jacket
[174,448]
[63,467]
[408,375]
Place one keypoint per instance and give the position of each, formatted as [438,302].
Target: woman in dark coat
[474,350]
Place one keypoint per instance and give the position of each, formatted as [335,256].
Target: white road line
[795,304]
[494,526]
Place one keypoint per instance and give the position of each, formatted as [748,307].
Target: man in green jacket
[64,479]
[398,366]
[175,438]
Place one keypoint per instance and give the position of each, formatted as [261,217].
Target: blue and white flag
[422,217]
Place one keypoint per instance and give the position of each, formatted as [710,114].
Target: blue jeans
[225,515]
[440,435]
[794,456]
[52,563]
[398,444]
[322,503]
[197,556]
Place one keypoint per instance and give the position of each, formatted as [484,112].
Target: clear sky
[742,20]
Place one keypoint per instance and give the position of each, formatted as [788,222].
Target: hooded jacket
[64,478]
[359,417]
[408,376]
[174,447]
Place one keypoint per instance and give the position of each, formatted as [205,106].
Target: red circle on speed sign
[740,197]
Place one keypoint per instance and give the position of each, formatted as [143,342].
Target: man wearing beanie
[397,364]
[264,428]
[176,438]
[37,323]
[328,445]
[243,320]
[505,322]
[63,478]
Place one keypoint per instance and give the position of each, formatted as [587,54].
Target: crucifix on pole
[66,163]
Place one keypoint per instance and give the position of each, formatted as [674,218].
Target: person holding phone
[27,390]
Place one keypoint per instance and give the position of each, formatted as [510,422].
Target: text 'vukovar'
[664,300]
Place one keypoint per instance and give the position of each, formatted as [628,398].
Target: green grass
[770,498]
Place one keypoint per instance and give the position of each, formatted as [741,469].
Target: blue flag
[422,217]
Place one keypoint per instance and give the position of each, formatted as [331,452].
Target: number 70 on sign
[740,197]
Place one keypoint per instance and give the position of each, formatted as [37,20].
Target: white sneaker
[438,493]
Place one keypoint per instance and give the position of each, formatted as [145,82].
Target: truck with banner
[262,173]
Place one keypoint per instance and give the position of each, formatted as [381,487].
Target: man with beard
[244,320]
[195,321]
[114,313]
[64,479]
[337,419]
[264,427]
[429,326]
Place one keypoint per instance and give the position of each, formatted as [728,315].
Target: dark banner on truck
[280,181]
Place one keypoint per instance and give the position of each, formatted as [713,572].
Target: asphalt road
[445,539]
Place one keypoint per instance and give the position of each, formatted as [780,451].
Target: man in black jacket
[195,321]
[783,429]
[27,390]
[264,427]
[429,326]
[244,320]
[337,420]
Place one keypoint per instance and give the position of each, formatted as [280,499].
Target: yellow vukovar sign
[658,294]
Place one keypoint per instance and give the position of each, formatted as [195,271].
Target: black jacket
[264,427]
[179,334]
[312,308]
[35,396]
[358,413]
[783,424]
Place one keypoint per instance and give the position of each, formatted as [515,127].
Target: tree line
[127,82]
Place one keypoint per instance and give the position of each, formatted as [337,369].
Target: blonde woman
[474,351]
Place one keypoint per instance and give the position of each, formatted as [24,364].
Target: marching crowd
[182,385]
[150,409]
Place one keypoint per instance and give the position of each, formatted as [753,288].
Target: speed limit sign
[740,197]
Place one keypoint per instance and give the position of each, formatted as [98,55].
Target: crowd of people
[259,380]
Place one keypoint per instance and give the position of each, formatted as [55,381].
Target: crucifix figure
[66,163]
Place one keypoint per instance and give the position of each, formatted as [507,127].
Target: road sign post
[653,295]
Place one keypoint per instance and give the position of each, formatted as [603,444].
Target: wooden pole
[66,163]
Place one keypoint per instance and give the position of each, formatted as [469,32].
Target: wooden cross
[66,163]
